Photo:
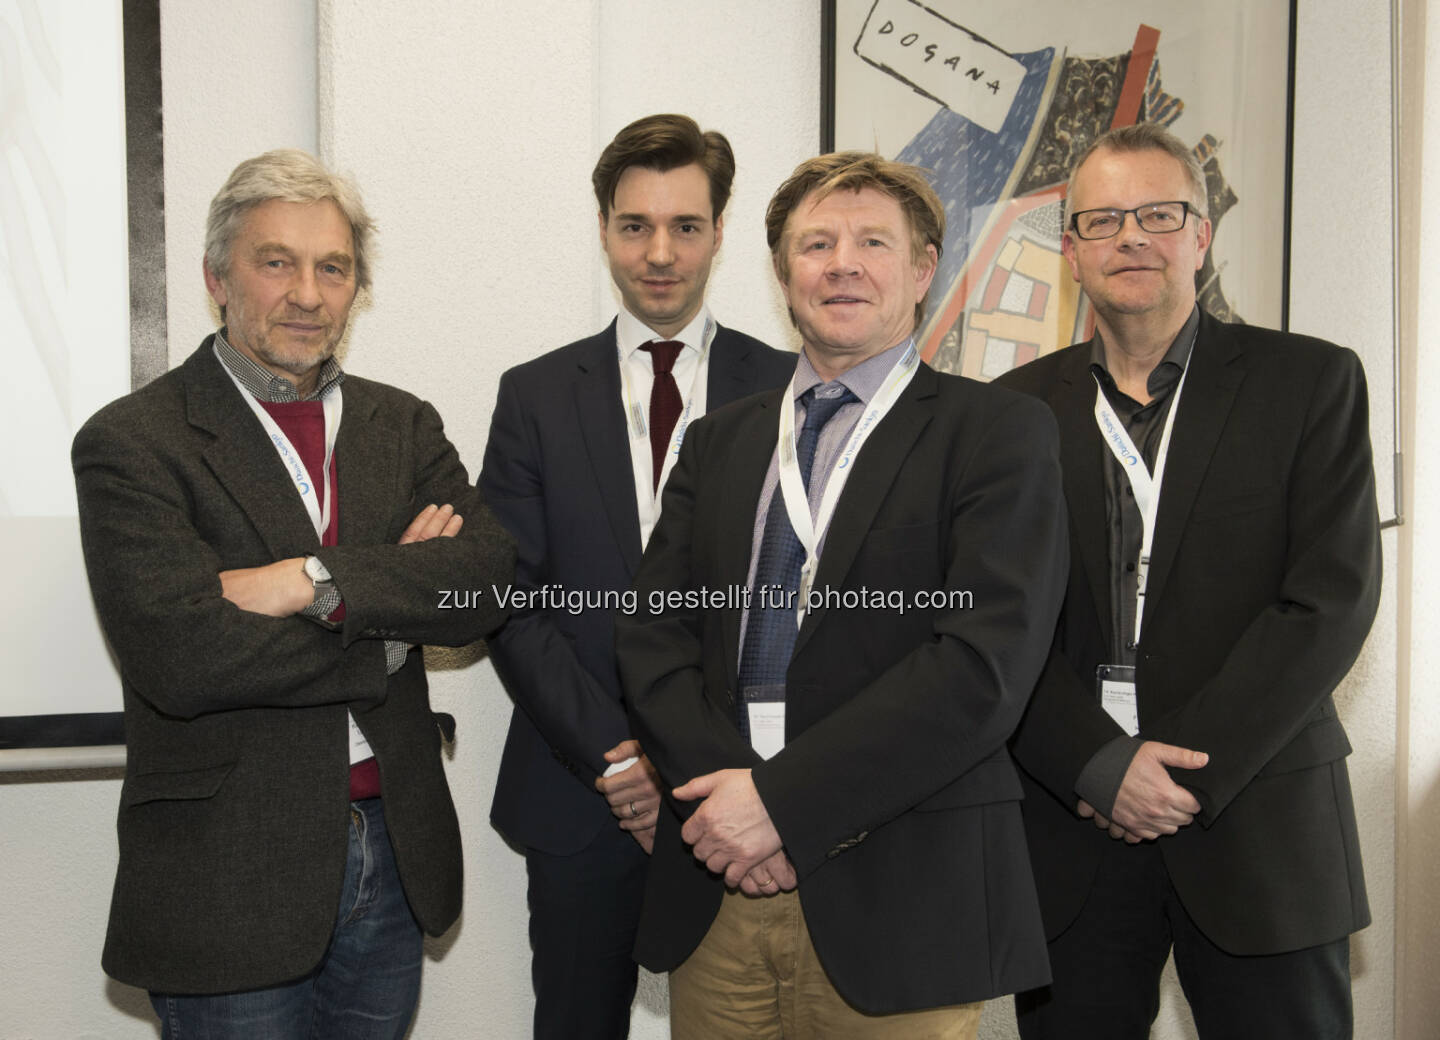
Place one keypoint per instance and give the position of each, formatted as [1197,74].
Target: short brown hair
[663,143]
[852,171]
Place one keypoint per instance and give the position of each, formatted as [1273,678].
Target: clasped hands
[281,589]
[1150,804]
[732,833]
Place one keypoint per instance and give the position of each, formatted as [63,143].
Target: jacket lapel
[1082,462]
[243,459]
[876,467]
[607,444]
[1205,403]
[367,469]
[745,470]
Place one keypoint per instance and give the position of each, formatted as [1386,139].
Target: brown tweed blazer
[232,821]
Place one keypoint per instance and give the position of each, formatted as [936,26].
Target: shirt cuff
[620,767]
[1099,782]
[327,600]
[395,651]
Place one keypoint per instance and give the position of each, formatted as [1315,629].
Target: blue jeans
[364,988]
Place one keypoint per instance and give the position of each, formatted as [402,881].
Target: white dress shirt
[637,375]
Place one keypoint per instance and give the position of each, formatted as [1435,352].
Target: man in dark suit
[831,700]
[581,442]
[1225,569]
[256,558]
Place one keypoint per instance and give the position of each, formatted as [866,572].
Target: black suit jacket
[894,796]
[558,474]
[233,821]
[1264,580]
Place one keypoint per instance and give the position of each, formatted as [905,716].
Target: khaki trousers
[755,974]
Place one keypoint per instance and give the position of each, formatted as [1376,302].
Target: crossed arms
[169,548]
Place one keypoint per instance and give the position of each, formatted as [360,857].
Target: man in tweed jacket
[267,549]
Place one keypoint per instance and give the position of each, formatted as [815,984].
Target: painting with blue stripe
[997,129]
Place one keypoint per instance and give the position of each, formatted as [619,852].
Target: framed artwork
[82,306]
[995,99]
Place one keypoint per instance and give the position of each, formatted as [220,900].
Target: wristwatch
[319,576]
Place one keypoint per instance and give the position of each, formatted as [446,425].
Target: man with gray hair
[258,564]
[1225,569]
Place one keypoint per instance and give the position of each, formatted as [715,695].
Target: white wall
[1417,764]
[472,130]
[1340,284]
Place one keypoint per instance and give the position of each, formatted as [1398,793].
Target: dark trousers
[583,913]
[1107,966]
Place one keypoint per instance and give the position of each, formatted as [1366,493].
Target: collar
[263,385]
[631,333]
[864,380]
[1167,371]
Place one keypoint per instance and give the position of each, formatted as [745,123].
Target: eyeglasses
[1158,218]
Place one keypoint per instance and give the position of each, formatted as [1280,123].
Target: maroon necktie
[664,401]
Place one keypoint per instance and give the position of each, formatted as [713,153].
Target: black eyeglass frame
[1185,210]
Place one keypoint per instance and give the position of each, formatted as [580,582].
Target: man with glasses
[1184,765]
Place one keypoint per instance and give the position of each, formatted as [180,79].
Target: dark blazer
[894,796]
[558,474]
[233,815]
[1264,579]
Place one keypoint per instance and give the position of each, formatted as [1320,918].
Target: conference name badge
[1115,686]
[765,711]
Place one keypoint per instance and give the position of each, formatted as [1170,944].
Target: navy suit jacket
[1264,579]
[559,476]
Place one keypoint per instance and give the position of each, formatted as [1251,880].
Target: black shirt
[1146,426]
[1099,782]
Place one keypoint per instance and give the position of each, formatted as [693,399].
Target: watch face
[315,570]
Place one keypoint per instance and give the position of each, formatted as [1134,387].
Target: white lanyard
[1145,486]
[319,515]
[299,475]
[636,418]
[792,487]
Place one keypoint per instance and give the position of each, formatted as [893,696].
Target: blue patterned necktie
[771,629]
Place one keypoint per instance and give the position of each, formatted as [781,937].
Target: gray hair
[286,175]
[1145,137]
